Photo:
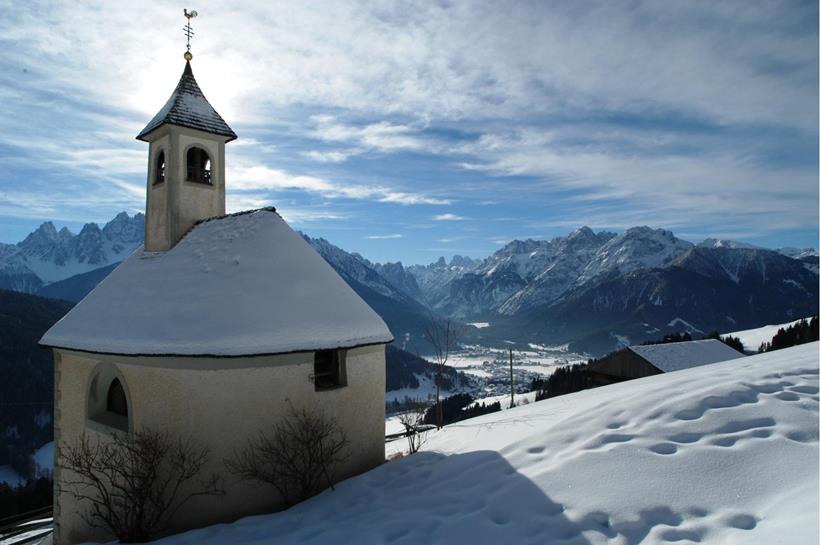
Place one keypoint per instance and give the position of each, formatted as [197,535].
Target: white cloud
[384,237]
[255,177]
[327,156]
[301,216]
[448,217]
[707,59]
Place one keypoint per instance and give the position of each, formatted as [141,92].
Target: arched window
[198,166]
[117,403]
[159,172]
[108,399]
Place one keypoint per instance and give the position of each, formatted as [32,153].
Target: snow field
[752,338]
[724,453]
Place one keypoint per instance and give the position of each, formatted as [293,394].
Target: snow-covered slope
[722,243]
[753,338]
[724,453]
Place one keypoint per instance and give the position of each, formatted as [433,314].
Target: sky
[409,130]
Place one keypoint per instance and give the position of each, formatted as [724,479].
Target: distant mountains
[598,291]
[47,255]
[595,291]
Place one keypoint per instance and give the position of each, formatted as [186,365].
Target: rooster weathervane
[189,33]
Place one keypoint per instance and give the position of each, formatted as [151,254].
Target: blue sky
[405,131]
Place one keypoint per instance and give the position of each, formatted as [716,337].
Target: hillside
[27,386]
[724,453]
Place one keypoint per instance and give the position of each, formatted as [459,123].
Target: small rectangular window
[329,369]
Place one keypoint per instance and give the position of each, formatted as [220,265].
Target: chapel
[213,330]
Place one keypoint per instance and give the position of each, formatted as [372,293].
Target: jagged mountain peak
[45,233]
[47,255]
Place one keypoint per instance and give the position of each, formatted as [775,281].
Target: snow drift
[724,453]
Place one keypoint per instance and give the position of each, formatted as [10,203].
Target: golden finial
[188,32]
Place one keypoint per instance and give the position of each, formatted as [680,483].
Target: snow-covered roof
[188,107]
[676,356]
[237,285]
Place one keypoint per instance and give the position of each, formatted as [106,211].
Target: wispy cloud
[384,237]
[255,177]
[448,217]
[327,156]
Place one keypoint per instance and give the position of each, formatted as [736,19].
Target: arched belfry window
[117,403]
[198,166]
[159,172]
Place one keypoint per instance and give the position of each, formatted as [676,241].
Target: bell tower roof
[188,107]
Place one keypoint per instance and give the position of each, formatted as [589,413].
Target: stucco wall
[156,223]
[221,402]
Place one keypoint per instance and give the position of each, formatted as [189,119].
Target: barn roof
[244,284]
[188,107]
[676,356]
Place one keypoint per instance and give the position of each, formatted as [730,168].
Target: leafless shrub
[413,421]
[443,335]
[297,457]
[135,483]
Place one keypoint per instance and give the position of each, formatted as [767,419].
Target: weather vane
[188,32]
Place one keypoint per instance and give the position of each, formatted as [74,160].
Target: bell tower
[186,161]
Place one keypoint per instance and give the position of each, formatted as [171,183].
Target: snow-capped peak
[636,248]
[52,255]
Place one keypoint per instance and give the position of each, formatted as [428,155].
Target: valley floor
[725,453]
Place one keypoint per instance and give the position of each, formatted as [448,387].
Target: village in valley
[263,345]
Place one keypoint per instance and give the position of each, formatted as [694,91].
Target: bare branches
[443,335]
[413,421]
[297,457]
[134,484]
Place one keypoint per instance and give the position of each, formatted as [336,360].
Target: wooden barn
[653,359]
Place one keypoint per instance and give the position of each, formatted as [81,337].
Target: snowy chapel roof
[244,284]
[188,107]
[676,356]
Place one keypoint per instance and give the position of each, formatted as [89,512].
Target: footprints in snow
[742,522]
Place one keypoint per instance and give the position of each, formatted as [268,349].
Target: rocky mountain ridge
[607,288]
[47,255]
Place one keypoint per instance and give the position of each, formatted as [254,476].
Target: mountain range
[47,255]
[594,291]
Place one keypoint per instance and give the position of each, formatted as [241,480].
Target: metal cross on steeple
[188,32]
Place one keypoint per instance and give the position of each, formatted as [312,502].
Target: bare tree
[412,418]
[135,483]
[443,336]
[297,457]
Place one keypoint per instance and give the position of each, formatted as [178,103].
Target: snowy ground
[724,453]
[752,338]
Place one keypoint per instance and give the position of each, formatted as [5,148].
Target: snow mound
[724,453]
